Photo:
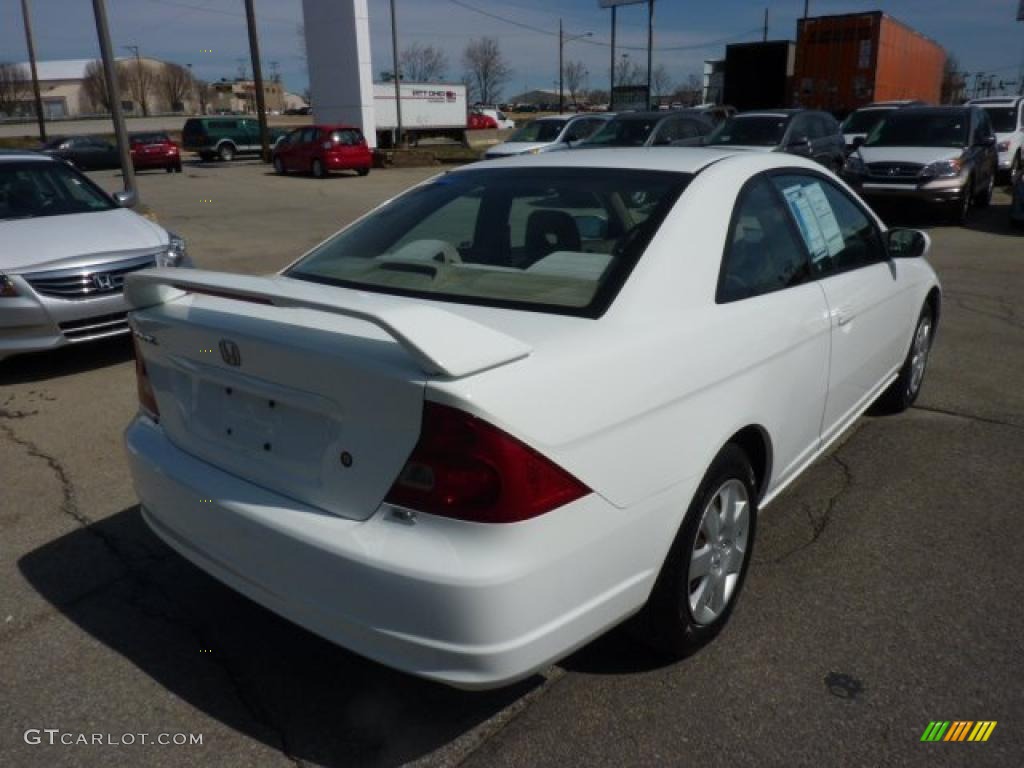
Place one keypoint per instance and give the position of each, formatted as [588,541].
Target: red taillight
[147,398]
[465,468]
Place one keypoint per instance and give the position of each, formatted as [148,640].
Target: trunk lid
[299,388]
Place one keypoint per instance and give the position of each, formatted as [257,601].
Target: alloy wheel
[919,355]
[719,552]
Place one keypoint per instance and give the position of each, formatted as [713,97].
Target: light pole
[650,47]
[114,96]
[30,42]
[257,72]
[398,77]
[562,40]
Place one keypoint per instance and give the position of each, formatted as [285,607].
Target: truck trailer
[429,110]
[848,60]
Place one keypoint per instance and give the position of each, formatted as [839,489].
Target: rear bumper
[470,605]
[336,163]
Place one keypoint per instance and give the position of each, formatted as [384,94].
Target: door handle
[843,316]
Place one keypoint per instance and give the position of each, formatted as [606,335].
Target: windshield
[539,130]
[29,190]
[751,131]
[548,239]
[863,120]
[906,128]
[623,133]
[1004,119]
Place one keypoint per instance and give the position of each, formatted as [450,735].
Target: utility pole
[257,71]
[562,40]
[765,37]
[561,69]
[650,47]
[611,90]
[807,8]
[30,42]
[114,96]
[398,75]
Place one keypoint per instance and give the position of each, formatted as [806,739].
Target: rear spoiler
[441,342]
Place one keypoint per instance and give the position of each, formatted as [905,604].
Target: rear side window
[346,137]
[838,234]
[762,253]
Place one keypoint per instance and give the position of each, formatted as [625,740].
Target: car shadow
[993,219]
[241,664]
[65,361]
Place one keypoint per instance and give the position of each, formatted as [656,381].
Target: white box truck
[429,110]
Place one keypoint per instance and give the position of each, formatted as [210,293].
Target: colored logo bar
[958,730]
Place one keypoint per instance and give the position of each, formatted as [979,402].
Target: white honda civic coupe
[523,401]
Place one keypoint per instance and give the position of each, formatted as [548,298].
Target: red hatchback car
[320,149]
[155,150]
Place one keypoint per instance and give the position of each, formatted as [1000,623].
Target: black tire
[226,152]
[1014,166]
[279,167]
[363,171]
[177,168]
[903,392]
[169,169]
[984,198]
[207,157]
[317,169]
[668,621]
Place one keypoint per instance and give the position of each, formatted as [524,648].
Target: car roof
[676,159]
[11,155]
[772,112]
[926,110]
[994,100]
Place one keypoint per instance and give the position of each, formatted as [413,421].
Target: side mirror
[857,141]
[126,199]
[908,243]
[988,141]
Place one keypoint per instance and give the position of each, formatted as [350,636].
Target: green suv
[225,137]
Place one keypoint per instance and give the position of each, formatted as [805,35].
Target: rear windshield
[863,120]
[34,189]
[149,138]
[1004,119]
[548,239]
[759,131]
[906,128]
[538,130]
[623,133]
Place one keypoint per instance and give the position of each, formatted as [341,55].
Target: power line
[602,43]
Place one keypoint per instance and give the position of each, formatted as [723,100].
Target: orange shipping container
[844,62]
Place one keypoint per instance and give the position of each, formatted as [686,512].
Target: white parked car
[523,401]
[503,121]
[549,133]
[1007,116]
[65,249]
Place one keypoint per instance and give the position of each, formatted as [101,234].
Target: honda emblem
[230,353]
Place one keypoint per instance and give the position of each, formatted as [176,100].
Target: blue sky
[982,33]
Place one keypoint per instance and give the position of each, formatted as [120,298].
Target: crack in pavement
[819,524]
[143,585]
[1010,316]
[966,416]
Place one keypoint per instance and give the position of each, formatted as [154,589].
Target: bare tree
[140,80]
[15,87]
[486,69]
[422,63]
[94,85]
[689,92]
[953,84]
[627,72]
[575,73]
[175,86]
[202,92]
[661,82]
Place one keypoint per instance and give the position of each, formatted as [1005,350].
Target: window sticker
[816,220]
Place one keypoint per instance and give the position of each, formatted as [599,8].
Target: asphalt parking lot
[885,590]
